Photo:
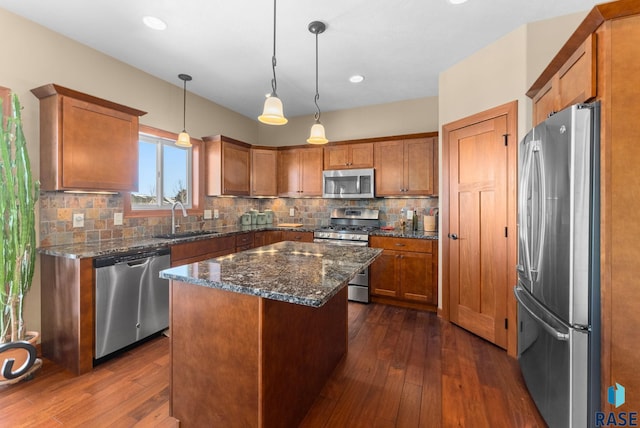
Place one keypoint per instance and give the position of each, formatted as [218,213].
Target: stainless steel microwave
[348,183]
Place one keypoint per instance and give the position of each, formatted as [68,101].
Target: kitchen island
[255,335]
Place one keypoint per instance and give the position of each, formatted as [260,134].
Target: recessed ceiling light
[154,23]
[357,78]
[457,1]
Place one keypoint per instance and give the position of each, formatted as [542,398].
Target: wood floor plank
[405,368]
[409,411]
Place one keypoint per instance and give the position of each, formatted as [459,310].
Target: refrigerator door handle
[538,313]
[542,196]
[525,262]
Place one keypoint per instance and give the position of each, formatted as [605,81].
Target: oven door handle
[341,242]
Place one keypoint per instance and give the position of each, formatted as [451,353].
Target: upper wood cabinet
[300,172]
[575,82]
[346,156]
[86,143]
[264,175]
[227,166]
[406,167]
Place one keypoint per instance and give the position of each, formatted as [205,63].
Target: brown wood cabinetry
[264,172]
[227,166]
[406,274]
[86,143]
[575,82]
[348,156]
[298,236]
[616,26]
[244,241]
[191,252]
[68,312]
[300,172]
[406,167]
[266,237]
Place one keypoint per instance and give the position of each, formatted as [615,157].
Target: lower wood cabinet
[266,237]
[191,252]
[244,241]
[406,274]
[298,236]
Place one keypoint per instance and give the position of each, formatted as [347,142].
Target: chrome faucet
[173,215]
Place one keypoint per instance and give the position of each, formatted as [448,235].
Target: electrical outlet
[216,214]
[78,220]
[117,219]
[292,212]
[207,214]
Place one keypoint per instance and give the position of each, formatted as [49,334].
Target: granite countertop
[400,233]
[295,272]
[123,245]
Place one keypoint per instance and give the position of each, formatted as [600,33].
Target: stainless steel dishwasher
[132,301]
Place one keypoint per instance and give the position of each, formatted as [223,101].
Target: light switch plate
[207,214]
[292,212]
[409,214]
[117,219]
[216,214]
[78,220]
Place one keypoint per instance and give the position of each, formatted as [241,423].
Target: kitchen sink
[187,234]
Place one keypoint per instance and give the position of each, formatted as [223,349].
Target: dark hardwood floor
[405,368]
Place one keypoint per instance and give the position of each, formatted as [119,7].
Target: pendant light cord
[184,107]
[317,97]
[274,83]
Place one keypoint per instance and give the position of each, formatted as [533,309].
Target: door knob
[453,236]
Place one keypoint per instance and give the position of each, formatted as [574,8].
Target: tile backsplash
[57,211]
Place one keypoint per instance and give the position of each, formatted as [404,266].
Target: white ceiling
[400,46]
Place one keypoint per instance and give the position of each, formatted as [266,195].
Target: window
[166,174]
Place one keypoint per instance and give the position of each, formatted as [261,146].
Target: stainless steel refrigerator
[558,266]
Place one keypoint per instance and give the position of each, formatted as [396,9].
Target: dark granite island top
[255,335]
[295,272]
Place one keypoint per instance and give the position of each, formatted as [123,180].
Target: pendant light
[317,130]
[273,114]
[183,139]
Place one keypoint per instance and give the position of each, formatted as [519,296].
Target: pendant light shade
[317,135]
[183,138]
[273,113]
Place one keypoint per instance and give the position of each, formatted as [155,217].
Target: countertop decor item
[18,196]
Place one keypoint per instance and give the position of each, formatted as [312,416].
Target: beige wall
[403,117]
[502,72]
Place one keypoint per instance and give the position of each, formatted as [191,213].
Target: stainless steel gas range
[351,226]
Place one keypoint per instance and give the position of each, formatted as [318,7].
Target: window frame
[197,178]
